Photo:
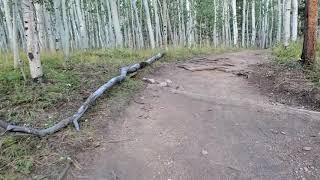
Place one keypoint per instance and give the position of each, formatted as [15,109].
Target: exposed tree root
[85,106]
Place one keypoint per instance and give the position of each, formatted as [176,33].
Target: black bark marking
[143,64]
[30,55]
[26,28]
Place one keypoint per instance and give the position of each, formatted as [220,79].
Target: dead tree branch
[85,106]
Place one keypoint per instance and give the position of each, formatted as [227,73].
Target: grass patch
[290,58]
[66,86]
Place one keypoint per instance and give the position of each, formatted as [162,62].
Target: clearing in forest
[205,120]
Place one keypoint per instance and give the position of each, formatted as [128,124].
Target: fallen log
[124,71]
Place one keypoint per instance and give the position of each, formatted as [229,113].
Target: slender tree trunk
[215,35]
[254,29]
[157,21]
[12,40]
[31,33]
[294,20]
[235,23]
[279,24]
[83,29]
[165,23]
[116,23]
[66,36]
[243,28]
[149,24]
[15,46]
[189,24]
[287,19]
[310,33]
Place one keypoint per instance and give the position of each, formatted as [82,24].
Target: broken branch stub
[74,119]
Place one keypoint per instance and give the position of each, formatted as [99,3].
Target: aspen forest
[159,89]
[71,25]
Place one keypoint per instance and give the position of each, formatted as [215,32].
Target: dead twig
[65,170]
[74,119]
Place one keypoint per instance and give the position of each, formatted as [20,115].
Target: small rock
[169,81]
[150,81]
[305,169]
[163,84]
[283,133]
[307,148]
[204,152]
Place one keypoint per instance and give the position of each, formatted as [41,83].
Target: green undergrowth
[289,58]
[66,85]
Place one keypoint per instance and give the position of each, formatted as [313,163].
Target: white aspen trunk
[265,31]
[99,26]
[189,24]
[41,26]
[138,25]
[226,23]
[253,21]
[271,25]
[149,24]
[247,26]
[8,18]
[31,34]
[75,26]
[116,23]
[243,29]
[110,22]
[286,22]
[215,35]
[157,21]
[83,29]
[15,46]
[58,25]
[66,36]
[165,23]
[235,23]
[294,20]
[49,27]
[3,43]
[11,39]
[279,24]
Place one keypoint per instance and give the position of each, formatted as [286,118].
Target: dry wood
[85,106]
[208,68]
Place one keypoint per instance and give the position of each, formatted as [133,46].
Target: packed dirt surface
[204,120]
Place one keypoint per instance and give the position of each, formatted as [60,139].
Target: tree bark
[279,24]
[287,23]
[253,23]
[149,24]
[294,20]
[116,23]
[235,23]
[31,33]
[310,33]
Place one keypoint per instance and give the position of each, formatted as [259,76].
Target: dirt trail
[209,124]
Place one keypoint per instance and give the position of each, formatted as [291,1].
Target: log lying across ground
[85,106]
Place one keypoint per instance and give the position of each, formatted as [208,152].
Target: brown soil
[211,124]
[286,85]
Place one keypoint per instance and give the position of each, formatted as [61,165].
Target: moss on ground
[66,85]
